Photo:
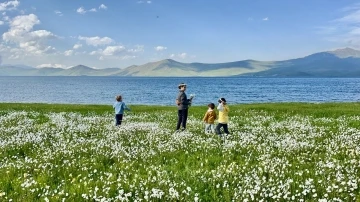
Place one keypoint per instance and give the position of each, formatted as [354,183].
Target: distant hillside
[79,70]
[9,70]
[338,63]
[177,69]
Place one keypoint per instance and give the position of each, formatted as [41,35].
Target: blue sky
[120,33]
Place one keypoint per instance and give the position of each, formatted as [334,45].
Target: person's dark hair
[118,98]
[181,85]
[211,105]
[221,100]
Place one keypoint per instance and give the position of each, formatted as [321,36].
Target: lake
[163,91]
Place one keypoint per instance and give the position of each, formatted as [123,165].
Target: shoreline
[308,109]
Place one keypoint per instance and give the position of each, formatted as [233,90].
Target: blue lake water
[163,91]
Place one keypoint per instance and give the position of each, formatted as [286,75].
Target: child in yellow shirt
[209,119]
[223,116]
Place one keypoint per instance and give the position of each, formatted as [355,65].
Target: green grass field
[275,152]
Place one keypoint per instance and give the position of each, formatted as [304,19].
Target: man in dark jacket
[183,106]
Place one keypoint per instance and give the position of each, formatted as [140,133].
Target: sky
[121,33]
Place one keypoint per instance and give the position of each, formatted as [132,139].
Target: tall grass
[275,152]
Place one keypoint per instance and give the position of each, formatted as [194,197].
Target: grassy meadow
[275,152]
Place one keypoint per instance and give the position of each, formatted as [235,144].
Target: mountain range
[338,63]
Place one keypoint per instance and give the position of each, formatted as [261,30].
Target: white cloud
[51,65]
[138,48]
[125,57]
[102,6]
[148,2]
[351,7]
[42,34]
[34,48]
[352,17]
[9,5]
[1,22]
[77,46]
[95,52]
[265,19]
[81,10]
[117,52]
[68,52]
[346,29]
[180,55]
[29,42]
[160,48]
[59,13]
[113,50]
[24,23]
[355,31]
[326,29]
[96,41]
